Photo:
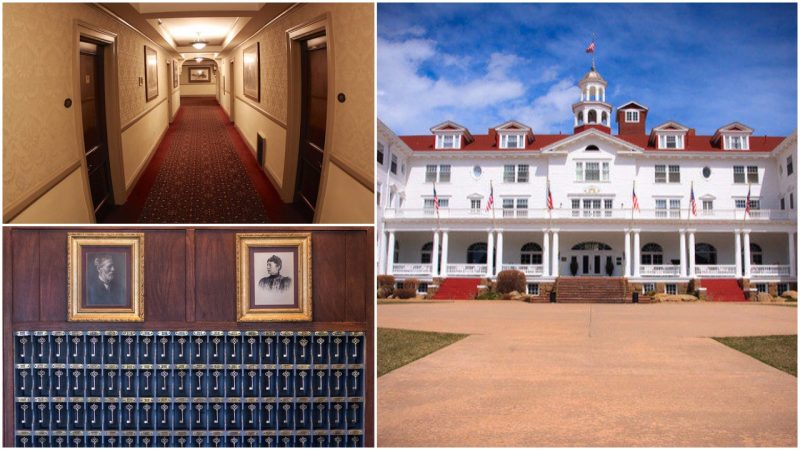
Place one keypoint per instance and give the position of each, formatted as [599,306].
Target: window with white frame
[592,207]
[761,287]
[783,203]
[393,167]
[422,288]
[652,254]
[782,287]
[648,287]
[530,253]
[430,209]
[475,205]
[515,173]
[738,174]
[434,173]
[791,200]
[512,140]
[448,141]
[378,196]
[752,174]
[789,166]
[755,204]
[515,207]
[668,207]
[670,141]
[736,142]
[668,174]
[380,153]
[632,116]
[671,288]
[592,171]
[708,207]
[533,289]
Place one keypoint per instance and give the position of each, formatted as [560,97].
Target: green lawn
[777,351]
[396,348]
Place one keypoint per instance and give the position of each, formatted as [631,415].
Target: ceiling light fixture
[199,59]
[198,44]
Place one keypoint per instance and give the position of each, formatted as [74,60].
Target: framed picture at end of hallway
[252,72]
[105,277]
[175,75]
[200,75]
[150,73]
[273,277]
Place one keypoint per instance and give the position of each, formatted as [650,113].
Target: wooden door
[313,116]
[95,139]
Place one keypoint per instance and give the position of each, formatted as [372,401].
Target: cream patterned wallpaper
[353,44]
[39,133]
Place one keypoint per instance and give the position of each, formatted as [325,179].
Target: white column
[489,253]
[683,253]
[691,253]
[637,257]
[738,255]
[390,254]
[746,253]
[555,263]
[585,113]
[382,253]
[443,273]
[499,262]
[627,257]
[435,255]
[545,254]
[791,255]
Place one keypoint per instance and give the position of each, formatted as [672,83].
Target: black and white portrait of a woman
[274,273]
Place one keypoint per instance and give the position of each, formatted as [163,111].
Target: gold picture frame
[251,72]
[273,277]
[150,73]
[105,276]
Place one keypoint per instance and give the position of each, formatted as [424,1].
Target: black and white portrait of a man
[105,282]
[275,287]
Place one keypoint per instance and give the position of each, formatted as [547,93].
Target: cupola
[592,111]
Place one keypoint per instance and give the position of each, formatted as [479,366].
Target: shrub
[411,283]
[790,296]
[385,280]
[385,292]
[405,293]
[510,280]
[488,295]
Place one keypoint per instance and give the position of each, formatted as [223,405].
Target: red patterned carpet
[203,172]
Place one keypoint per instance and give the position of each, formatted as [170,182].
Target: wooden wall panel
[356,279]
[330,275]
[53,275]
[165,275]
[215,276]
[26,276]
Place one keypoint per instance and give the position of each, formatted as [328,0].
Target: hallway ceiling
[222,26]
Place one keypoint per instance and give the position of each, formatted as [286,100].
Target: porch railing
[770,270]
[659,270]
[760,215]
[715,270]
[411,269]
[527,269]
[466,269]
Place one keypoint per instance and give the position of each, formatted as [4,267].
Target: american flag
[590,48]
[692,201]
[490,202]
[435,200]
[635,200]
[549,196]
[747,202]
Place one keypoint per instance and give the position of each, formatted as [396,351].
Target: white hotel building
[592,229]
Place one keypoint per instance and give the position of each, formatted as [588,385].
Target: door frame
[231,94]
[108,46]
[591,254]
[294,108]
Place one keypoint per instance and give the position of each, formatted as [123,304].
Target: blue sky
[703,65]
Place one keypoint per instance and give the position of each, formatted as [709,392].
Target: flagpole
[593,51]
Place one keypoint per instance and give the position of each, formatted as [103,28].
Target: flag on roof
[692,201]
[549,196]
[635,199]
[490,202]
[590,48]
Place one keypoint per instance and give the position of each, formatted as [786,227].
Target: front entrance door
[314,69]
[591,258]
[589,263]
[94,127]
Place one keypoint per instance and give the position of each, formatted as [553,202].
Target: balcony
[770,270]
[531,270]
[660,270]
[477,270]
[718,215]
[416,269]
[715,270]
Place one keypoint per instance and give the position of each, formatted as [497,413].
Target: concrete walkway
[588,375]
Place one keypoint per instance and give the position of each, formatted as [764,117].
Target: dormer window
[670,141]
[632,116]
[450,140]
[737,142]
[512,141]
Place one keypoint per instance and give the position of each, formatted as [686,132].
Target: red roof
[488,142]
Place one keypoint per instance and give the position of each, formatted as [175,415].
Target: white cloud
[411,100]
[550,112]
